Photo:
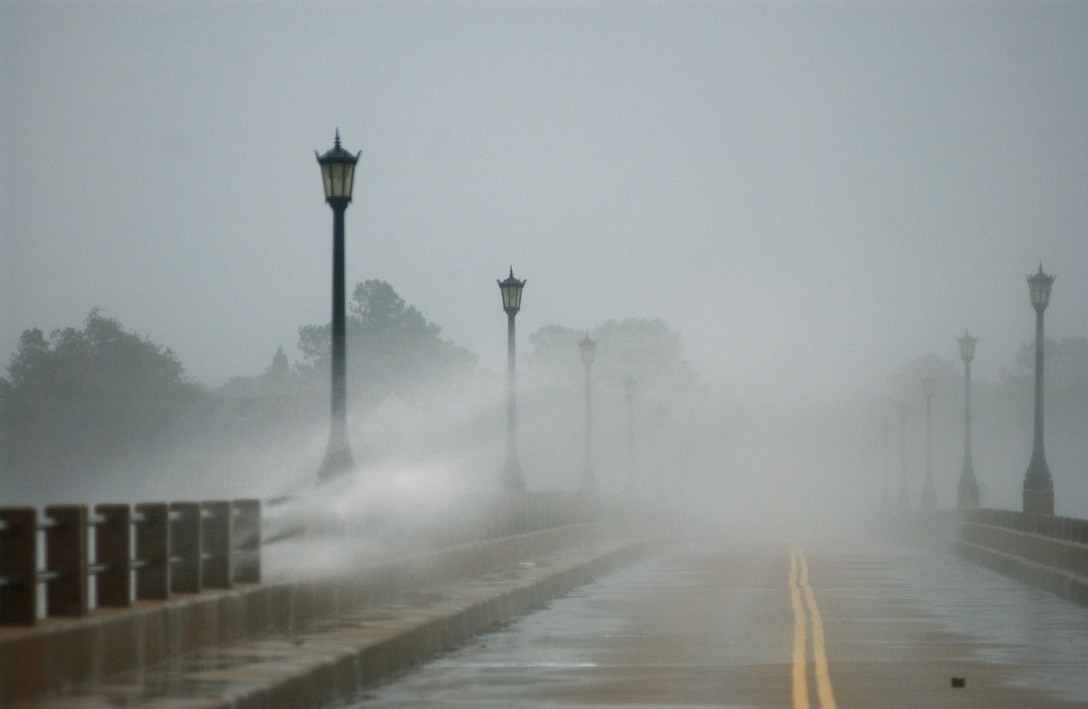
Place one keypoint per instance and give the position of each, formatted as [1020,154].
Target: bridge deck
[722,627]
[881,623]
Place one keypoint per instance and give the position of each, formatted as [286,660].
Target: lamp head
[589,348]
[1039,286]
[511,293]
[337,173]
[967,346]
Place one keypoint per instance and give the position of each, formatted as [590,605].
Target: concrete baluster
[215,533]
[66,556]
[153,551]
[18,565]
[185,547]
[247,541]
[113,550]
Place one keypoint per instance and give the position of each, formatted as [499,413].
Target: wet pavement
[721,627]
[319,663]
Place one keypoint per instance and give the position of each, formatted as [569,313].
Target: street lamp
[904,497]
[1038,485]
[630,388]
[512,478]
[967,489]
[589,351]
[929,491]
[337,175]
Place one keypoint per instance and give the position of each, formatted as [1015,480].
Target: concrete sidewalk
[334,658]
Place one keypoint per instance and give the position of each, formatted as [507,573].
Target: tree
[906,384]
[85,399]
[663,417]
[555,353]
[1002,422]
[646,349]
[391,347]
[1065,359]
[1011,398]
[1065,382]
[278,380]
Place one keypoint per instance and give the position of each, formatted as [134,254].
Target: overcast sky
[811,193]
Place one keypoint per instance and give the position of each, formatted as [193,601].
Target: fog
[816,200]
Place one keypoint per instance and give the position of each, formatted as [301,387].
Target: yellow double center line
[799,587]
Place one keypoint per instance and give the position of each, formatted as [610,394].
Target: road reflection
[711,627]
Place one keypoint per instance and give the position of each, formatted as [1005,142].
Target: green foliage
[87,398]
[391,347]
[279,380]
[646,349]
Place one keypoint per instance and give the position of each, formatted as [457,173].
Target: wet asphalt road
[719,627]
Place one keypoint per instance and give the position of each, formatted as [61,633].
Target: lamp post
[903,506]
[1038,485]
[512,478]
[337,175]
[630,388]
[929,491]
[886,501]
[967,488]
[589,351]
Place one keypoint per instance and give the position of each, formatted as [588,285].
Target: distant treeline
[83,407]
[79,405]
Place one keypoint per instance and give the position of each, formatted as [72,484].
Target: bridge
[533,599]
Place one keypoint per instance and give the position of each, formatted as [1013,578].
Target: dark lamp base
[1038,502]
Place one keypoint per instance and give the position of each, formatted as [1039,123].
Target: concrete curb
[336,658]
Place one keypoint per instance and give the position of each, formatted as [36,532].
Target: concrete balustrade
[148,554]
[1040,550]
[62,654]
[173,578]
[1067,528]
